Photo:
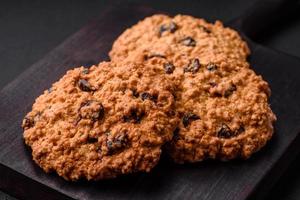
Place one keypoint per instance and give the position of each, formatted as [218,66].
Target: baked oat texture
[180,39]
[102,122]
[221,103]
[224,114]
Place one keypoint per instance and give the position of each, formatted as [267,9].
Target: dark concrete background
[30,29]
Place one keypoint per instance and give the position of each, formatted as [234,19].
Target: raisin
[193,66]
[173,27]
[217,94]
[85,71]
[93,110]
[174,95]
[162,29]
[225,132]
[240,130]
[212,84]
[230,90]
[84,85]
[176,133]
[135,93]
[134,116]
[188,118]
[188,41]
[117,143]
[154,55]
[169,68]
[211,67]
[154,97]
[121,140]
[99,114]
[109,145]
[92,140]
[146,95]
[204,29]
[27,123]
[171,113]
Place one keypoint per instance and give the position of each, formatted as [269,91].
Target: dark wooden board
[238,179]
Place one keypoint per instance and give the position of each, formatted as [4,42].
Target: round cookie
[222,104]
[102,122]
[180,39]
[224,114]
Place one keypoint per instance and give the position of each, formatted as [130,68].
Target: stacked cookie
[179,84]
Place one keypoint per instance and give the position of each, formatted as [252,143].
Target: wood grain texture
[207,180]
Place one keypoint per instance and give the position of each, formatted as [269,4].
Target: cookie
[222,105]
[102,122]
[223,111]
[180,39]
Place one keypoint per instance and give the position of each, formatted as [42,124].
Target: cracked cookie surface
[102,122]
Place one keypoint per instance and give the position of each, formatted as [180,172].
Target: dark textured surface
[28,35]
